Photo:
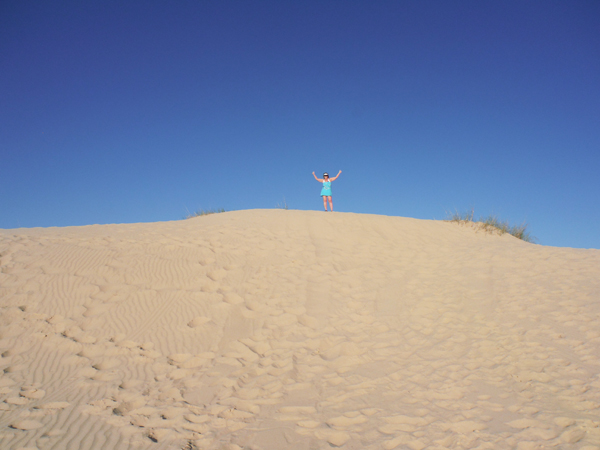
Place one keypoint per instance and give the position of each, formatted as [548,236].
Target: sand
[275,329]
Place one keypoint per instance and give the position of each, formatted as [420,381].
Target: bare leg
[330,203]
[325,202]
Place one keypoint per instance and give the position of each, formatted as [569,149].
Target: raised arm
[318,179]
[334,178]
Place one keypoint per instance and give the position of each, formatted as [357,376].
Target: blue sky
[116,112]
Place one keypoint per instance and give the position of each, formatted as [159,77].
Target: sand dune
[273,329]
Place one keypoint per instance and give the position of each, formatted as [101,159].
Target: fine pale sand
[274,329]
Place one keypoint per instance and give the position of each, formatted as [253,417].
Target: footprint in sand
[178,374]
[92,351]
[107,364]
[232,298]
[338,438]
[198,321]
[178,358]
[217,275]
[19,401]
[32,394]
[129,402]
[26,425]
[85,339]
[194,362]
[96,309]
[347,421]
[126,343]
[53,406]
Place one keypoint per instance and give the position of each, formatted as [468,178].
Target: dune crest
[272,329]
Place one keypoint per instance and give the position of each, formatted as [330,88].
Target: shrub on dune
[203,212]
[491,224]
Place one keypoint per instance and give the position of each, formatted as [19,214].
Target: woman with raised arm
[326,191]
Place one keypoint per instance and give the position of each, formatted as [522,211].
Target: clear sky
[134,111]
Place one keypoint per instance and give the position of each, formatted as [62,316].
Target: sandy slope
[272,329]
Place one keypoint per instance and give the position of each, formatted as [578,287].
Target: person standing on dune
[326,191]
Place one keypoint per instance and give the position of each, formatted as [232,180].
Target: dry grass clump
[203,212]
[491,224]
[283,205]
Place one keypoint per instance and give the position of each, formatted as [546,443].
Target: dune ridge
[272,329]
